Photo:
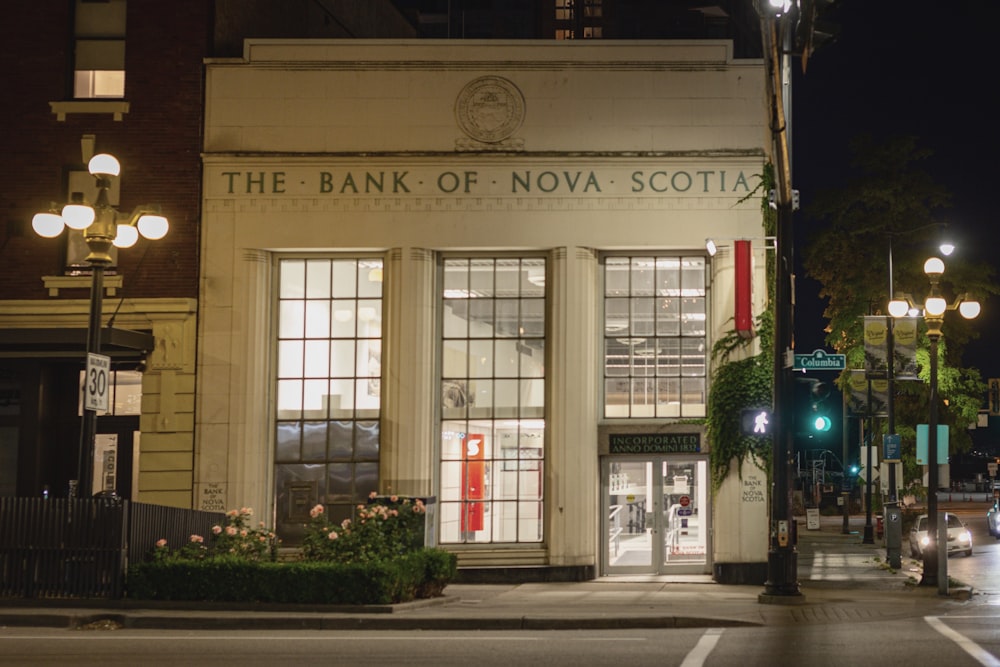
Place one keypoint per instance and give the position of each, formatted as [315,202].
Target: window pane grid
[492,398]
[654,335]
[328,390]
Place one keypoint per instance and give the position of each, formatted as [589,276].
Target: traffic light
[994,397]
[756,421]
[820,421]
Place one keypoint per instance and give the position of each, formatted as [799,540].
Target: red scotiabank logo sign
[473,481]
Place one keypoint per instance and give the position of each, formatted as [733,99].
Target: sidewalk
[840,579]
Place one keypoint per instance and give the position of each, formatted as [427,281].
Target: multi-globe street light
[103,227]
[935,569]
[894,528]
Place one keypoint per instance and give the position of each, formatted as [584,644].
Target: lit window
[492,400]
[655,356]
[99,58]
[564,10]
[329,386]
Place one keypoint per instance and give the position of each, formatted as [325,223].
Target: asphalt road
[966,639]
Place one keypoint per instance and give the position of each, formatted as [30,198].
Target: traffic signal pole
[782,557]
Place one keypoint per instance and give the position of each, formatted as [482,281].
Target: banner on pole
[857,398]
[876,353]
[904,345]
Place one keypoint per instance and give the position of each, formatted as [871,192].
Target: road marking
[705,645]
[306,635]
[972,648]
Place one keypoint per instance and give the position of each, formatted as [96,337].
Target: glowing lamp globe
[153,227]
[49,225]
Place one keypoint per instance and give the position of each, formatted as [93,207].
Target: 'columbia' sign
[820,361]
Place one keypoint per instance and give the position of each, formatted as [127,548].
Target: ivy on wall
[747,382]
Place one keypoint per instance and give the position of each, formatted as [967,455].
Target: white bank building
[476,271]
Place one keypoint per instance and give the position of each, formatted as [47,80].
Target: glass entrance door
[656,515]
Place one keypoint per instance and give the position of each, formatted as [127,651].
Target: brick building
[129,74]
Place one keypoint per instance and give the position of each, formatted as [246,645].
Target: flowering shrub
[377,558]
[235,539]
[383,529]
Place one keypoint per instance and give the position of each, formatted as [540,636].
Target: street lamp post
[935,557]
[893,528]
[782,558]
[103,227]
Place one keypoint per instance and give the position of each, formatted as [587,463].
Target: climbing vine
[746,382]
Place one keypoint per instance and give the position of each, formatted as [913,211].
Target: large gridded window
[99,62]
[492,400]
[655,355]
[329,369]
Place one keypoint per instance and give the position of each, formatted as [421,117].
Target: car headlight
[924,541]
[965,537]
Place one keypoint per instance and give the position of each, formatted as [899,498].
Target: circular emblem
[489,109]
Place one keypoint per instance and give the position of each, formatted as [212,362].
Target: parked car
[993,519]
[959,537]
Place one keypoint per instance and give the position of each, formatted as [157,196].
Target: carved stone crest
[489,109]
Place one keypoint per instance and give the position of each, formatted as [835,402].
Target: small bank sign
[654,443]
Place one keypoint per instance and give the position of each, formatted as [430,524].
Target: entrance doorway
[656,515]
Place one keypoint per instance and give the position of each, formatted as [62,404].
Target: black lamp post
[777,28]
[103,227]
[894,539]
[935,556]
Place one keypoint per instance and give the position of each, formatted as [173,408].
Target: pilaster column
[407,454]
[571,478]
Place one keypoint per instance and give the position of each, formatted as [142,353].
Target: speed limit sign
[95,384]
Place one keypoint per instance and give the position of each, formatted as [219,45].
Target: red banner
[473,481]
[743,289]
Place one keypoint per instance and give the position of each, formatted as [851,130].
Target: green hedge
[420,574]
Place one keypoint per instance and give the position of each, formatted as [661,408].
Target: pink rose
[216,530]
[333,535]
[160,543]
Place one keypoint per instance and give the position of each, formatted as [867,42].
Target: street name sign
[820,360]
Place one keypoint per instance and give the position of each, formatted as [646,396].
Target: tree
[889,198]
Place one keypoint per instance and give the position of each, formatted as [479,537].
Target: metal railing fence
[80,548]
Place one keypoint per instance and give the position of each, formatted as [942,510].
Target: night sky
[919,68]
